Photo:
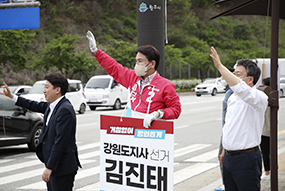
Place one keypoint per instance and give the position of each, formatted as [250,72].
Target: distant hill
[189,31]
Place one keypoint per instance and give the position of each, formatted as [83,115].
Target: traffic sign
[20,18]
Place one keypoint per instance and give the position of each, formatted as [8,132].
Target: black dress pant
[61,183]
[265,150]
[242,172]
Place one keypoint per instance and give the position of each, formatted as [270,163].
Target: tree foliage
[62,54]
[13,48]
[123,52]
[56,45]
[173,60]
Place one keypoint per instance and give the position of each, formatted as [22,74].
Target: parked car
[104,91]
[282,87]
[210,86]
[18,125]
[75,94]
[19,89]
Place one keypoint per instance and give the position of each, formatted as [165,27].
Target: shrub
[186,83]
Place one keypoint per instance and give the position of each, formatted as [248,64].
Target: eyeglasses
[238,74]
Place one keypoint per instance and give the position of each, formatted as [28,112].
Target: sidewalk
[210,180]
[266,184]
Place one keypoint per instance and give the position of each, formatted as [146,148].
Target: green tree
[13,48]
[123,52]
[182,22]
[241,32]
[198,55]
[62,54]
[173,56]
[202,3]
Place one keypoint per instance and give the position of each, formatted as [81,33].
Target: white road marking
[189,149]
[204,157]
[191,171]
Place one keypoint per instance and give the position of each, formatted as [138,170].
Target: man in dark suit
[57,145]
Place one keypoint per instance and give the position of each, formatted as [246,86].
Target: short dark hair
[266,81]
[251,68]
[58,80]
[231,70]
[151,53]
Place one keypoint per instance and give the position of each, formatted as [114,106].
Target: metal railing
[19,3]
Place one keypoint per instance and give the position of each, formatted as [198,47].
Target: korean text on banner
[135,158]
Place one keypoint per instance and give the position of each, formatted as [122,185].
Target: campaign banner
[133,157]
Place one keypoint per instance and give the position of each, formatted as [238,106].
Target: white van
[74,93]
[104,91]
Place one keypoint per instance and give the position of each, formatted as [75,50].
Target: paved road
[197,134]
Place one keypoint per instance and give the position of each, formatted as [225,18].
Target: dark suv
[18,125]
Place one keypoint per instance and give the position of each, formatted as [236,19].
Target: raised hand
[216,58]
[6,91]
[92,41]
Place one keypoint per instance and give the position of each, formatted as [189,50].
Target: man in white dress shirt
[241,157]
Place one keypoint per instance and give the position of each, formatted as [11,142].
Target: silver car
[74,93]
[19,89]
[210,86]
[104,91]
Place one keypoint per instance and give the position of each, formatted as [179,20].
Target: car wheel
[198,95]
[214,92]
[92,108]
[117,104]
[82,108]
[35,138]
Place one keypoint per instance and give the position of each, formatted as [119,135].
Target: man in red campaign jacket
[150,95]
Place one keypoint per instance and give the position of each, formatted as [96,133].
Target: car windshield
[209,81]
[98,83]
[37,88]
[13,88]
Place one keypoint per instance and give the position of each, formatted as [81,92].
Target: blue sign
[20,18]
[3,1]
[149,134]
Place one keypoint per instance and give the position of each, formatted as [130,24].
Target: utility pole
[150,27]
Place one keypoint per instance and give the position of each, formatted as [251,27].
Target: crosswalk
[25,174]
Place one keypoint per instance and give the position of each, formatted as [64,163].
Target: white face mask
[244,78]
[141,70]
[224,83]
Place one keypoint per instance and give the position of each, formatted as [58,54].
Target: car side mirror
[20,111]
[114,85]
[20,94]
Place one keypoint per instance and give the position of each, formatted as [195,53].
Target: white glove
[149,118]
[92,41]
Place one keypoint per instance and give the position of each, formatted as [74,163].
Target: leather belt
[242,151]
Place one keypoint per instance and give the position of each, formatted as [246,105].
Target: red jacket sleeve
[172,103]
[122,75]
